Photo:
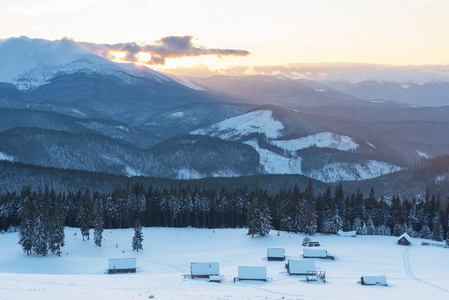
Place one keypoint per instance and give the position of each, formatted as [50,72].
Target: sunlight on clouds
[212,62]
[118,56]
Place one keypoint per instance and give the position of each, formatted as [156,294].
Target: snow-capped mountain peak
[29,63]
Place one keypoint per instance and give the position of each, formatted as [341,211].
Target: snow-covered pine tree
[84,214]
[370,228]
[259,219]
[293,219]
[138,236]
[425,232]
[26,229]
[310,215]
[98,221]
[56,234]
[41,225]
[437,232]
[397,230]
[357,226]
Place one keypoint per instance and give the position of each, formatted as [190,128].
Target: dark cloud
[167,47]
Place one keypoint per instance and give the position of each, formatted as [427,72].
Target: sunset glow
[118,56]
[382,32]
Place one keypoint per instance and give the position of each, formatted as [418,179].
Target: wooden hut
[252,273]
[276,254]
[315,253]
[347,233]
[204,270]
[374,280]
[122,265]
[404,240]
[300,267]
[311,244]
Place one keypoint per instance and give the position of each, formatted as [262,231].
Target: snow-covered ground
[321,140]
[4,156]
[414,272]
[274,163]
[260,121]
[343,171]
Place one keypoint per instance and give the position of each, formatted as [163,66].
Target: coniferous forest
[40,215]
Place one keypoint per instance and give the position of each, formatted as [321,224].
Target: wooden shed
[252,273]
[122,265]
[404,240]
[204,269]
[315,253]
[347,233]
[276,254]
[311,244]
[374,280]
[300,267]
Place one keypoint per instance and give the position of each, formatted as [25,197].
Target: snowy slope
[321,140]
[29,63]
[260,121]
[359,171]
[273,163]
[4,156]
[414,272]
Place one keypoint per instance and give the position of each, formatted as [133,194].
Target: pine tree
[26,230]
[425,232]
[56,233]
[293,216]
[437,232]
[98,222]
[138,236]
[84,214]
[397,230]
[41,226]
[259,219]
[310,216]
[371,229]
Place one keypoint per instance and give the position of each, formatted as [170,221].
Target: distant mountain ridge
[76,110]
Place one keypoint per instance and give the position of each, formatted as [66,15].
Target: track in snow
[409,272]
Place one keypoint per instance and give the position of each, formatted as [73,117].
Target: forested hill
[13,176]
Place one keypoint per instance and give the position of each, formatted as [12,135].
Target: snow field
[415,272]
[260,121]
[320,140]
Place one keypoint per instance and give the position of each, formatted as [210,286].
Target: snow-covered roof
[211,268]
[373,280]
[252,272]
[405,235]
[301,266]
[347,233]
[276,252]
[315,252]
[122,263]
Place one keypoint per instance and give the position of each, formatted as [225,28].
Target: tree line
[44,213]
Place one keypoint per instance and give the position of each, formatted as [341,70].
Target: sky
[398,32]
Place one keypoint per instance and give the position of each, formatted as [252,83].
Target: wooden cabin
[374,280]
[315,253]
[311,244]
[347,233]
[300,267]
[276,254]
[404,240]
[252,273]
[204,270]
[122,265]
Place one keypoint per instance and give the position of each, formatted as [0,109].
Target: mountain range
[64,107]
